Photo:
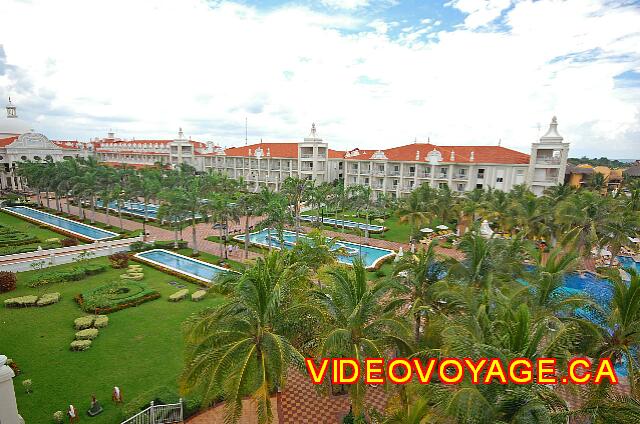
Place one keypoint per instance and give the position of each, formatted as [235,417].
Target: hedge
[83,322]
[116,296]
[21,302]
[48,299]
[16,238]
[198,295]
[179,295]
[101,321]
[87,334]
[74,274]
[7,281]
[80,345]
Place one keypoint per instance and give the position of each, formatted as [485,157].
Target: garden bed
[115,296]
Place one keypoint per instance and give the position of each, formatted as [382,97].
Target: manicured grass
[142,348]
[27,227]
[397,231]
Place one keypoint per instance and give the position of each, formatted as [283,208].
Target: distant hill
[611,163]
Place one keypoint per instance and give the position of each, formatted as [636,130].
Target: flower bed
[116,296]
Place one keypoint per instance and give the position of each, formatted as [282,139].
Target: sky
[369,73]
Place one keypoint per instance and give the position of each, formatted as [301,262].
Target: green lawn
[397,231]
[27,227]
[142,348]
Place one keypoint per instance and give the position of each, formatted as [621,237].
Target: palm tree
[248,206]
[147,185]
[241,348]
[416,274]
[296,191]
[412,211]
[359,325]
[273,206]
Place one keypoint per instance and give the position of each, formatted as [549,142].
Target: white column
[8,406]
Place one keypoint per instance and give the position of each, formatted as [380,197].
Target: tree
[412,211]
[241,348]
[359,325]
[296,190]
[248,206]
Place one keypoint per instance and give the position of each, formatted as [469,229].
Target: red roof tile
[275,150]
[462,154]
[4,142]
[336,154]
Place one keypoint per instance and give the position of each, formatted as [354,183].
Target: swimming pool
[84,231]
[136,209]
[347,224]
[181,264]
[371,256]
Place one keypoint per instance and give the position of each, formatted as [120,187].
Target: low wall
[63,255]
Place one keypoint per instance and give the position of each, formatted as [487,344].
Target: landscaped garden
[140,350]
[19,236]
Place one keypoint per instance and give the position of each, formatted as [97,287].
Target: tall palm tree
[296,191]
[416,274]
[241,348]
[147,185]
[359,325]
[248,206]
[412,211]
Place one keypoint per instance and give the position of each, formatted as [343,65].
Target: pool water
[135,208]
[369,254]
[188,266]
[346,224]
[77,228]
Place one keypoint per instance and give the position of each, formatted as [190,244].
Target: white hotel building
[395,171]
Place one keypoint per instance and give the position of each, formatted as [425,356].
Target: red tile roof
[336,154]
[462,154]
[275,150]
[4,142]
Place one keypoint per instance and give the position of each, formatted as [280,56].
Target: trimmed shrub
[53,240]
[135,276]
[119,260]
[10,237]
[140,246]
[87,334]
[74,274]
[179,295]
[69,241]
[169,244]
[48,299]
[21,302]
[7,281]
[80,345]
[93,269]
[58,417]
[198,295]
[115,296]
[101,321]
[83,322]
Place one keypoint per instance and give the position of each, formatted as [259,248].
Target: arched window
[23,157]
[48,157]
[37,158]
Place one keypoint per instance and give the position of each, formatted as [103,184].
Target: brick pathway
[215,415]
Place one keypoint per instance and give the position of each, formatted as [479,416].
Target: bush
[53,240]
[10,237]
[27,384]
[101,321]
[21,302]
[93,269]
[379,273]
[48,299]
[7,281]
[198,295]
[87,334]
[115,296]
[182,244]
[135,276]
[58,417]
[68,242]
[119,260]
[74,274]
[140,246]
[179,295]
[80,345]
[83,322]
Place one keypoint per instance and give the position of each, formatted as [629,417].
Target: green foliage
[48,299]
[87,334]
[21,302]
[58,417]
[75,274]
[169,245]
[119,260]
[10,237]
[115,296]
[80,345]
[7,281]
[83,322]
[101,321]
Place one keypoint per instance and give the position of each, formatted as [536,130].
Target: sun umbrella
[442,227]
[426,230]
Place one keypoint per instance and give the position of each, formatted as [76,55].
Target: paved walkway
[203,230]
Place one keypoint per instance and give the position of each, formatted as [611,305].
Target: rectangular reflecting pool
[181,264]
[79,229]
[135,209]
[347,224]
[370,255]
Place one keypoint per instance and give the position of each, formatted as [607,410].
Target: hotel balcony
[377,186]
[393,173]
[442,177]
[461,177]
[409,174]
[379,173]
[547,161]
[424,175]
[306,155]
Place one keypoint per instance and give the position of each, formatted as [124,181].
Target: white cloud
[480,12]
[146,69]
[346,4]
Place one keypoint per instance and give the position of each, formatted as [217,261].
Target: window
[395,183]
[463,172]
[48,157]
[381,168]
[520,172]
[480,173]
[479,186]
[339,165]
[460,187]
[23,157]
[366,180]
[442,185]
[396,168]
[412,169]
[37,158]
[499,179]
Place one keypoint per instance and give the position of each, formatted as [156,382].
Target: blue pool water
[68,225]
[370,255]
[628,262]
[135,208]
[346,224]
[182,264]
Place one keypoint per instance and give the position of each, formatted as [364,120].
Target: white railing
[62,255]
[158,414]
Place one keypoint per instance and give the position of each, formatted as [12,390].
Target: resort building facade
[395,171]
